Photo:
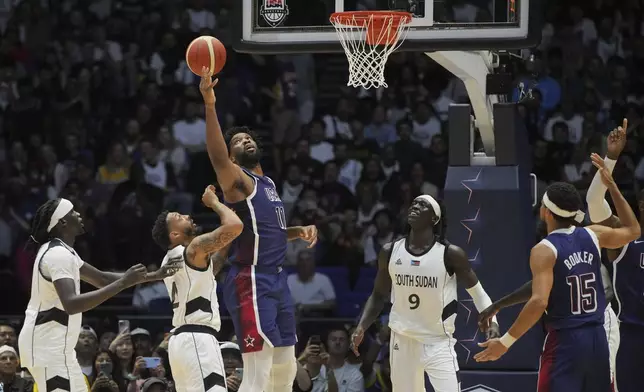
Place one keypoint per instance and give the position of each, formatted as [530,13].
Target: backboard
[292,26]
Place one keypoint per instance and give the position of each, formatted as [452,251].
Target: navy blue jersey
[577,297]
[263,240]
[628,283]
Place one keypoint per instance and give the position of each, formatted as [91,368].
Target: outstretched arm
[542,262]
[612,238]
[77,303]
[229,175]
[100,279]
[599,210]
[458,262]
[518,296]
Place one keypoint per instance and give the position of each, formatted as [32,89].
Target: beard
[193,231]
[248,160]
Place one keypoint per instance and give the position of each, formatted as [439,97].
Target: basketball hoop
[368,38]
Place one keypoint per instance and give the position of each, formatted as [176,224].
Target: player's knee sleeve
[257,370]
[283,355]
[282,377]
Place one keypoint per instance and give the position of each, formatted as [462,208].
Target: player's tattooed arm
[210,243]
[219,258]
[381,289]
[231,227]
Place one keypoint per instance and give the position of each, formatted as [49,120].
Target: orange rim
[374,22]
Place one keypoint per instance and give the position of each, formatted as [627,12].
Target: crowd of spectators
[97,105]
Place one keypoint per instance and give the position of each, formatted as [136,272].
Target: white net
[368,40]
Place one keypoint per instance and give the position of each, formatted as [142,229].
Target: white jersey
[423,293]
[193,293]
[49,335]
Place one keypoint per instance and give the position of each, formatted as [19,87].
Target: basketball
[206,51]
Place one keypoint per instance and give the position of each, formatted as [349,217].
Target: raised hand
[135,275]
[606,176]
[494,350]
[485,317]
[356,340]
[616,141]
[209,197]
[207,85]
[309,234]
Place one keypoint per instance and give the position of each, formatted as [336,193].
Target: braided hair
[39,234]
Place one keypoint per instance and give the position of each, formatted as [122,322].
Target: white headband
[578,215]
[63,208]
[433,203]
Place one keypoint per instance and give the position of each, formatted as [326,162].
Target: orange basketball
[207,52]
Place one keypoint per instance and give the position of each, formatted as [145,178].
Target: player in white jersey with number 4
[420,272]
[195,357]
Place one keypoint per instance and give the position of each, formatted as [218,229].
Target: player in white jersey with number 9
[420,272]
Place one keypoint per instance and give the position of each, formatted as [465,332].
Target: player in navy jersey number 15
[255,289]
[567,285]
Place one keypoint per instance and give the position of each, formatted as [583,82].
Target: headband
[577,215]
[63,208]
[433,203]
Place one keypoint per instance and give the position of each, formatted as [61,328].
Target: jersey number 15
[583,296]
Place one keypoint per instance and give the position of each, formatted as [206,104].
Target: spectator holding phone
[233,365]
[313,358]
[330,371]
[104,363]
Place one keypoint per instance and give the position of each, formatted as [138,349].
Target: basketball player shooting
[567,285]
[420,273]
[195,357]
[55,310]
[599,211]
[255,293]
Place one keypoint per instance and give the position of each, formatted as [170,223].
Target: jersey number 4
[583,296]
[175,300]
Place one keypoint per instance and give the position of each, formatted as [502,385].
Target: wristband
[507,340]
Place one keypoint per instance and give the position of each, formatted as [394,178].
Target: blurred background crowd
[97,105]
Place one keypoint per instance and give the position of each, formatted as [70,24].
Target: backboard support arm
[473,68]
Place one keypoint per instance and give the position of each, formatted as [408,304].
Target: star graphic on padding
[468,188]
[463,342]
[250,341]
[476,217]
[474,260]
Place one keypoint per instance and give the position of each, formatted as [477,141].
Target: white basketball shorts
[410,358]
[611,325]
[60,377]
[196,362]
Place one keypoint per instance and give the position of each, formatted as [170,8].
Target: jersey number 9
[583,296]
[414,301]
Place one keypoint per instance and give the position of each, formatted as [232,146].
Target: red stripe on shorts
[547,362]
[251,341]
